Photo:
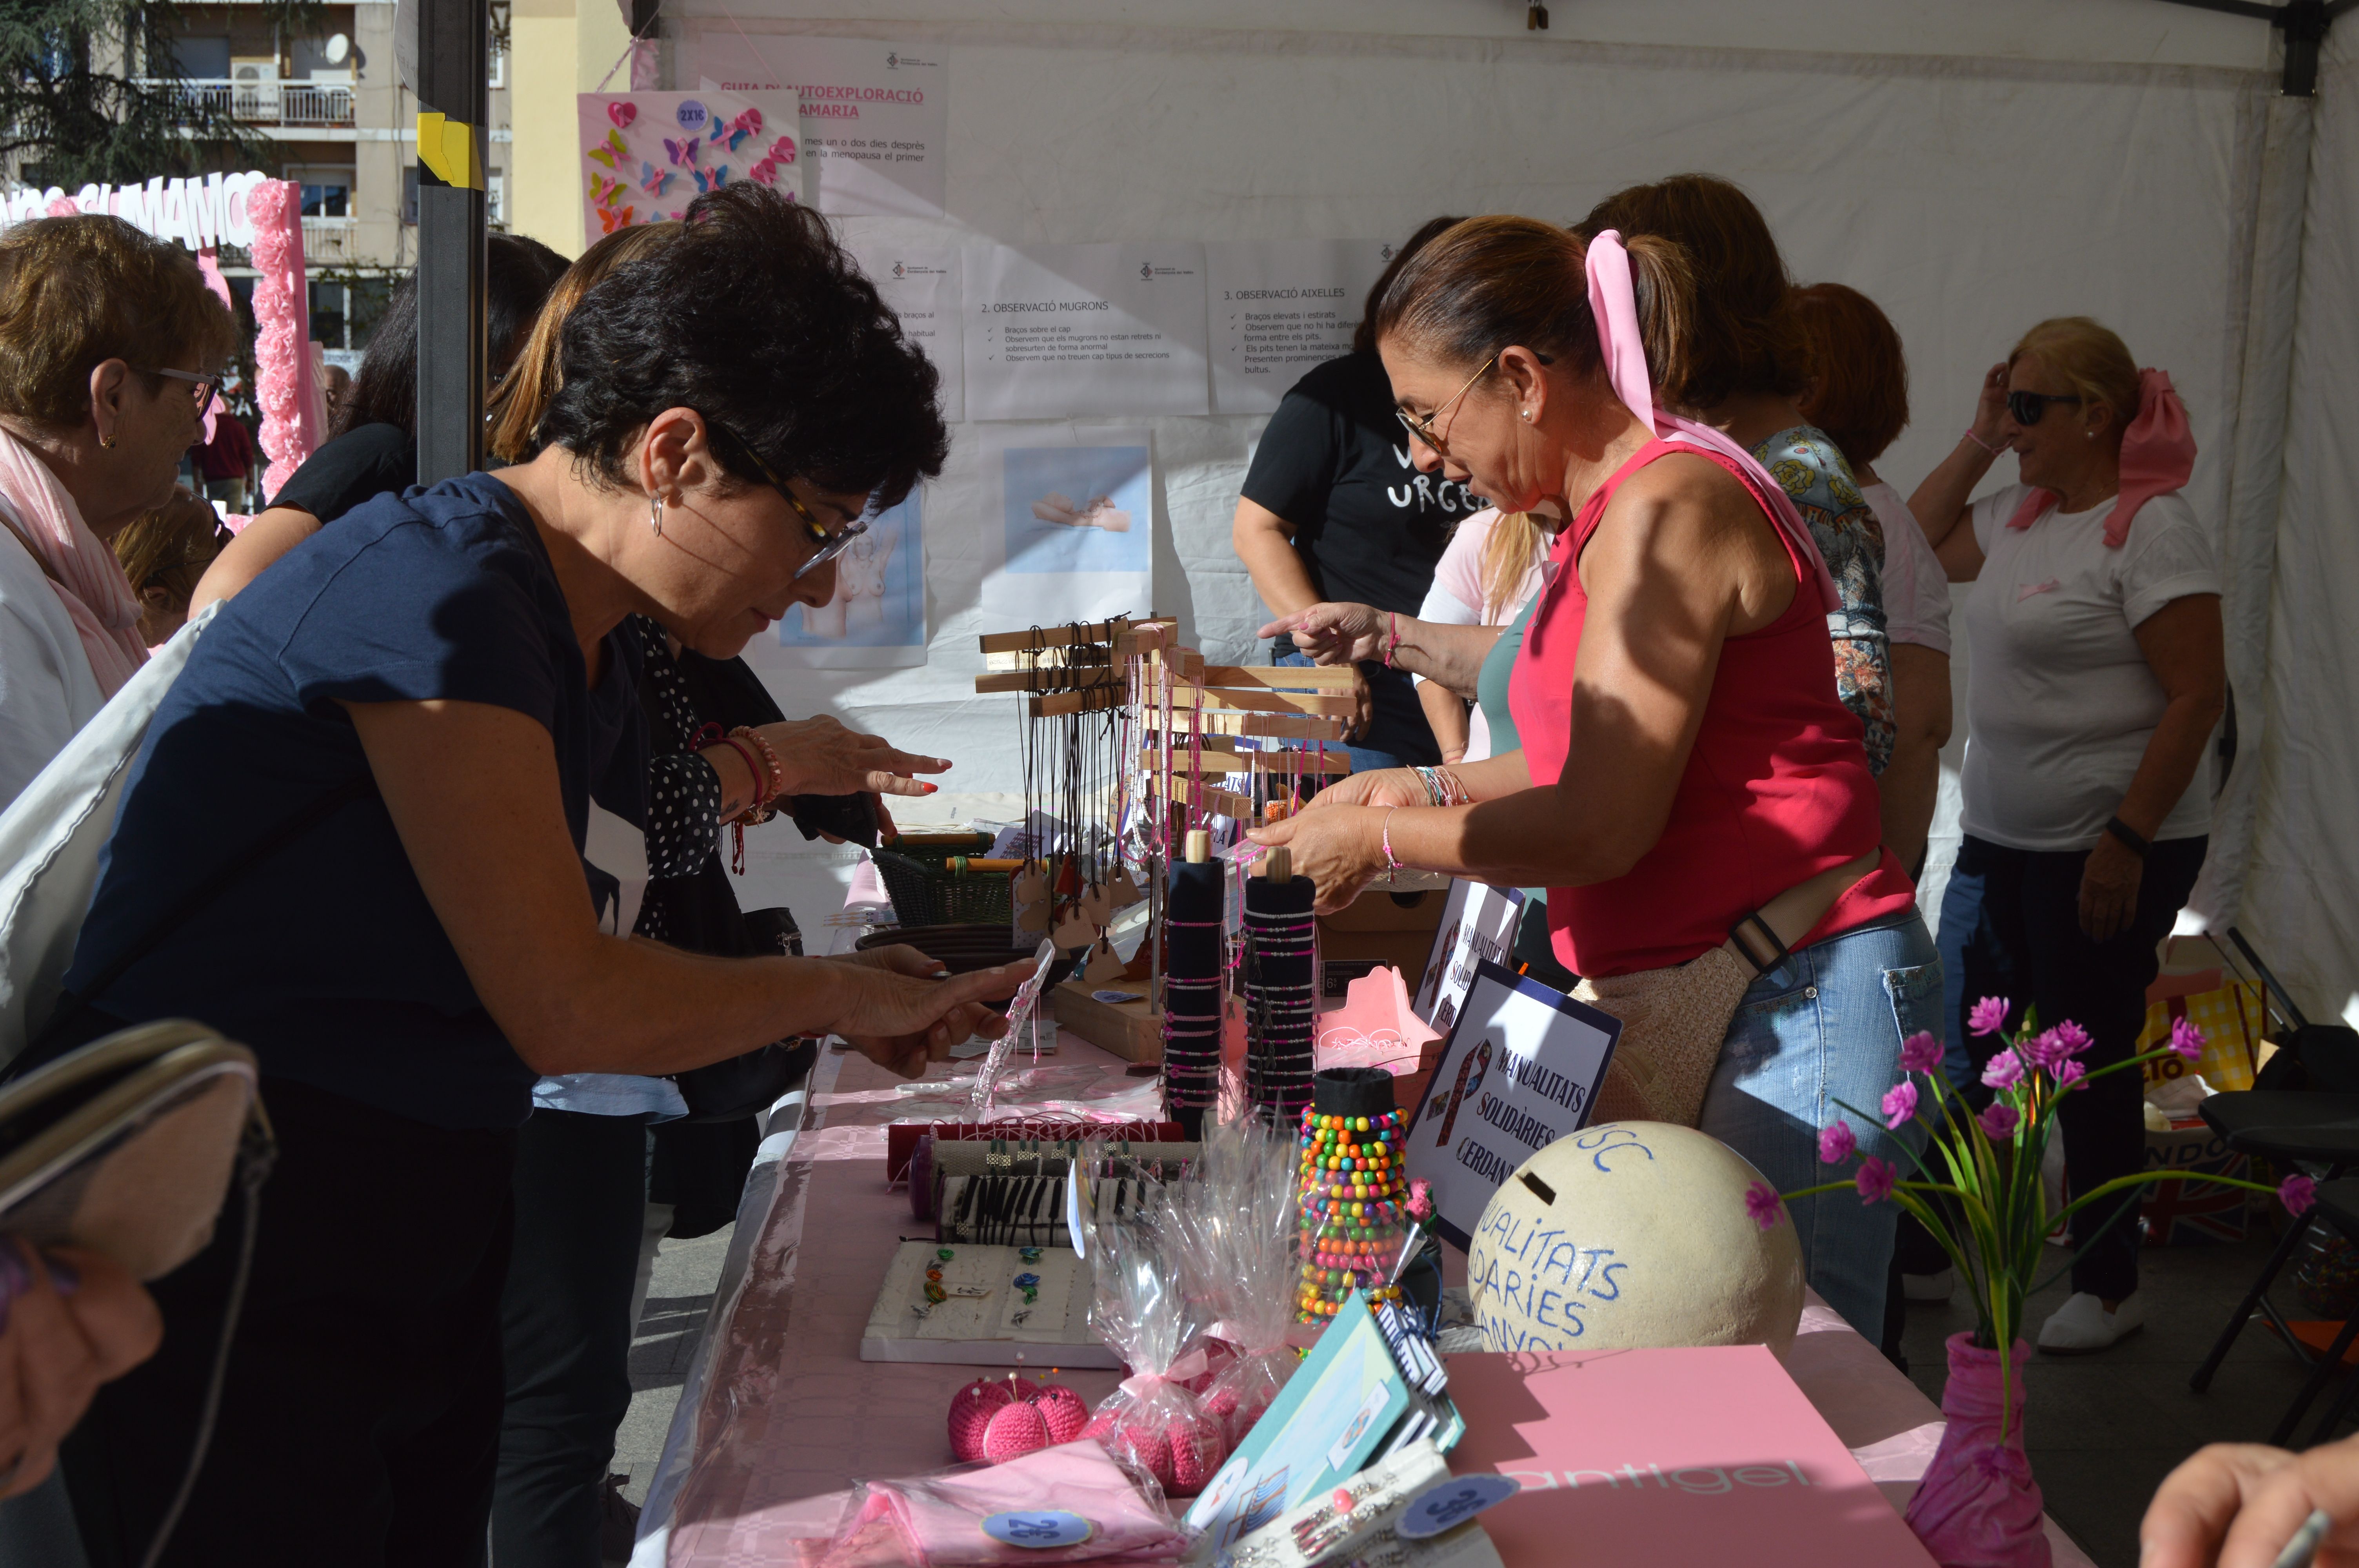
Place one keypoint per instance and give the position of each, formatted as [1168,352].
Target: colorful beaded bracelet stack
[1354,1193]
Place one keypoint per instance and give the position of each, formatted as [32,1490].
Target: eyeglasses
[1422,429]
[2031,408]
[825,547]
[206,386]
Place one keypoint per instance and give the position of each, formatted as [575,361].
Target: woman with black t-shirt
[1333,509]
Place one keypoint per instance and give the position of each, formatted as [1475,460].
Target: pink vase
[1978,1506]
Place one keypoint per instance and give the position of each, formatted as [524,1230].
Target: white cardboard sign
[1520,1071]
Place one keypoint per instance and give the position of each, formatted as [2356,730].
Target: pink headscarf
[2158,456]
[1614,301]
[88,581]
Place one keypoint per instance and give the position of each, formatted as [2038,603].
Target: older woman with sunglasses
[109,348]
[353,840]
[2095,678]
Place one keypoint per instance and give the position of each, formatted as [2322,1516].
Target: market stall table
[778,1407]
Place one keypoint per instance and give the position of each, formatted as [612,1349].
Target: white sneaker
[2083,1325]
[1928,1287]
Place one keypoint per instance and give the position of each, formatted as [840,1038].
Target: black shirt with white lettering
[1335,463]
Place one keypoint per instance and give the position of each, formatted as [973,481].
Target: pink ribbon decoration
[1614,301]
[2158,456]
[1139,1385]
[209,263]
[83,573]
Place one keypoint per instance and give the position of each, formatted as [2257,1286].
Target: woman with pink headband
[2097,678]
[1689,789]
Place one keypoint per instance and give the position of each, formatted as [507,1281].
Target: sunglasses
[207,386]
[825,547]
[1422,429]
[2030,408]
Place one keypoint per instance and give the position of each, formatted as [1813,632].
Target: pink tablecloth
[788,1411]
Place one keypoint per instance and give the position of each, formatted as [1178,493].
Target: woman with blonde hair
[111,349]
[2096,679]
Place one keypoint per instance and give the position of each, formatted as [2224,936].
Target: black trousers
[2028,946]
[580,1199]
[361,1416]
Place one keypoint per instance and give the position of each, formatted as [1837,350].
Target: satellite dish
[339,49]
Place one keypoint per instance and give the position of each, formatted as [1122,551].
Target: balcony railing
[269,102]
[328,239]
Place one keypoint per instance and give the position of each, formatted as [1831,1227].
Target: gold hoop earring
[655,513]
[107,442]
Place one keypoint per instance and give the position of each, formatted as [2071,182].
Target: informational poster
[922,284]
[1054,331]
[1074,531]
[1478,922]
[877,618]
[645,156]
[1520,1071]
[1281,306]
[875,116]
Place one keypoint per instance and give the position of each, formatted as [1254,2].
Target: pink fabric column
[294,409]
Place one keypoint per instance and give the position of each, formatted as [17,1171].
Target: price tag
[1451,1504]
[1039,1530]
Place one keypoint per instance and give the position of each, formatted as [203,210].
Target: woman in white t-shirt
[1488,574]
[2096,680]
[1858,395]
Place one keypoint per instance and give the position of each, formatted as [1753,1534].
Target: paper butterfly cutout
[653,180]
[613,152]
[748,124]
[622,114]
[612,220]
[604,191]
[682,154]
[714,180]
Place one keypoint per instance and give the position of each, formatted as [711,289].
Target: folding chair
[2305,1107]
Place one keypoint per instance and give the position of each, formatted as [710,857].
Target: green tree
[92,91]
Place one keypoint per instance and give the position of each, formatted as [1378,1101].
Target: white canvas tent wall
[1972,168]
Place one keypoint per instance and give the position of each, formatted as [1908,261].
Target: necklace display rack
[1133,745]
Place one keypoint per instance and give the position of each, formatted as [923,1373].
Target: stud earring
[1527,415]
[655,513]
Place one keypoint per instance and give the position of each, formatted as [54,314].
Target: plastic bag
[1142,1312]
[1238,1220]
[938,1521]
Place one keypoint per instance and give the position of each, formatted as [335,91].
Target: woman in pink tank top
[1691,790]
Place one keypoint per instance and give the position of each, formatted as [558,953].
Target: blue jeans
[1826,1025]
[1961,918]
[1399,735]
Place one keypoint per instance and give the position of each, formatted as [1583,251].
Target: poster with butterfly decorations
[645,156]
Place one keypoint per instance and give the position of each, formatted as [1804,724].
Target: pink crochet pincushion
[1066,1411]
[1182,1454]
[1014,1430]
[971,1409]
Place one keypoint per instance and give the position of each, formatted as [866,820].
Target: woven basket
[926,891]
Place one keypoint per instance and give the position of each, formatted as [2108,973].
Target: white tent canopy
[1973,169]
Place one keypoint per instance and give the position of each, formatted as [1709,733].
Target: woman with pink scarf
[110,349]
[2096,679]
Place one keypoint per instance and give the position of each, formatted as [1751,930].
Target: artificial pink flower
[1837,1142]
[1899,1105]
[1987,1016]
[2070,1072]
[1921,1052]
[2185,1038]
[1420,1200]
[1875,1179]
[1763,1204]
[2044,1050]
[2297,1193]
[2071,1039]
[1998,1122]
[2003,1071]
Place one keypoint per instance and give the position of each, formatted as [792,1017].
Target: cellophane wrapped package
[1237,1219]
[1141,1311]
[942,1521]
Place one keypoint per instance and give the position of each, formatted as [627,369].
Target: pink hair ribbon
[2158,456]
[1612,300]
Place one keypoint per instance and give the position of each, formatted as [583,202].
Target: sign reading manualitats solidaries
[874,116]
[201,214]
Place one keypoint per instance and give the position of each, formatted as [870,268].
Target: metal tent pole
[454,102]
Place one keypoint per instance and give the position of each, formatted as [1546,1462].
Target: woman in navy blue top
[445,667]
